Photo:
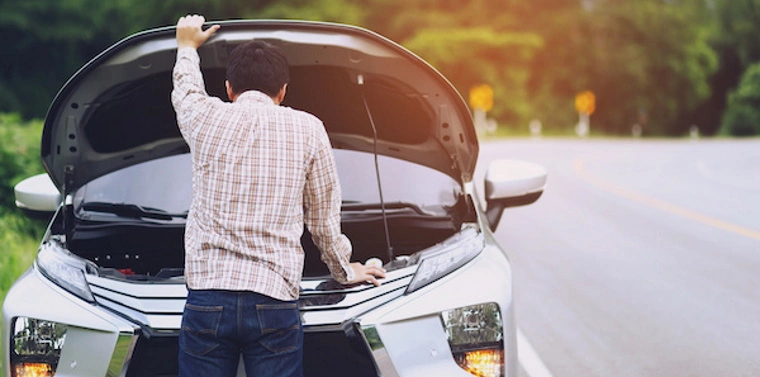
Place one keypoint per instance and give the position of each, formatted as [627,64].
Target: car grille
[155,355]
[335,353]
[332,344]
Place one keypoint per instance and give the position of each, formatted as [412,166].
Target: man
[260,171]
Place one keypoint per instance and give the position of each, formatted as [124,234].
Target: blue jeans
[220,326]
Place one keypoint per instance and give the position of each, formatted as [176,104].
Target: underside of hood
[116,110]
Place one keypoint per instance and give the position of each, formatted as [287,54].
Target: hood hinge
[68,207]
[448,138]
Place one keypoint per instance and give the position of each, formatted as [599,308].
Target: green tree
[739,22]
[736,39]
[19,155]
[499,59]
[48,40]
[344,11]
[647,61]
[471,43]
[742,117]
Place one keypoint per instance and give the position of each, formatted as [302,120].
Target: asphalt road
[641,259]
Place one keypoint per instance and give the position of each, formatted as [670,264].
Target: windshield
[165,184]
[131,222]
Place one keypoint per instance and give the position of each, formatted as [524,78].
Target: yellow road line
[662,205]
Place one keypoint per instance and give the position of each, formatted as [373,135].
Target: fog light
[481,363]
[475,335]
[36,346]
[32,370]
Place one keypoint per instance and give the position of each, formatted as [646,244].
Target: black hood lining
[138,113]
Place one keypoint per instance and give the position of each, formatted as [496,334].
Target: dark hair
[257,65]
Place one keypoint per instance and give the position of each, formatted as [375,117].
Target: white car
[106,292]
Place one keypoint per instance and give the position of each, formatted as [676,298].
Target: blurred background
[665,65]
[656,68]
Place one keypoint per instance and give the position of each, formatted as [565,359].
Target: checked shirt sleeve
[322,202]
[189,98]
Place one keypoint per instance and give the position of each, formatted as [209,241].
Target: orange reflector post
[32,370]
[483,363]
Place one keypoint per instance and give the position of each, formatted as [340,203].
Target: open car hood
[116,110]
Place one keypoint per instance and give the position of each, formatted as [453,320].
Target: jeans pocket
[199,329]
[280,326]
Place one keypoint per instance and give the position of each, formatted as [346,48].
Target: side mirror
[511,183]
[37,196]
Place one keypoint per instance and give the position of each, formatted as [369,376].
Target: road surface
[641,259]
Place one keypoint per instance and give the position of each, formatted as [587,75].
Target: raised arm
[189,97]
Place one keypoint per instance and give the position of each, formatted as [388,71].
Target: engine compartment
[149,251]
[131,222]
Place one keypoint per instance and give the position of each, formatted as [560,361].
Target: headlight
[36,347]
[475,335]
[446,258]
[65,269]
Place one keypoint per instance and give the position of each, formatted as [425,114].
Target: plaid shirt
[260,171]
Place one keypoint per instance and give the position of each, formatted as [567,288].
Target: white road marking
[529,359]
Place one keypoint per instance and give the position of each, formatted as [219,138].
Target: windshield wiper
[387,205]
[130,211]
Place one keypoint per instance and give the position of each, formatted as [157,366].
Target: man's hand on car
[189,32]
[369,274]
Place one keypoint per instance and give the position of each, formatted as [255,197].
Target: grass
[20,238]
[19,158]
[19,249]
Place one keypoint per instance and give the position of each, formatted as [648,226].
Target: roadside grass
[19,249]
[19,159]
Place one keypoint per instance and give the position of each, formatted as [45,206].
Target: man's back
[260,172]
[251,160]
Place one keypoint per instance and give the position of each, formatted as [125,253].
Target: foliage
[50,40]
[740,28]
[661,63]
[328,10]
[19,155]
[742,117]
[733,29]
[485,45]
[471,43]
[20,238]
[738,41]
[646,61]
[19,158]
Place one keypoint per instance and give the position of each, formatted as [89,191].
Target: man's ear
[281,95]
[230,94]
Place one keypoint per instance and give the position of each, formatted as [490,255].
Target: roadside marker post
[585,104]
[693,132]
[535,128]
[481,101]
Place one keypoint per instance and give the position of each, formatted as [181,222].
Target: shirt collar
[254,96]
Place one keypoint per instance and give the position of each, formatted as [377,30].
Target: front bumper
[132,328]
